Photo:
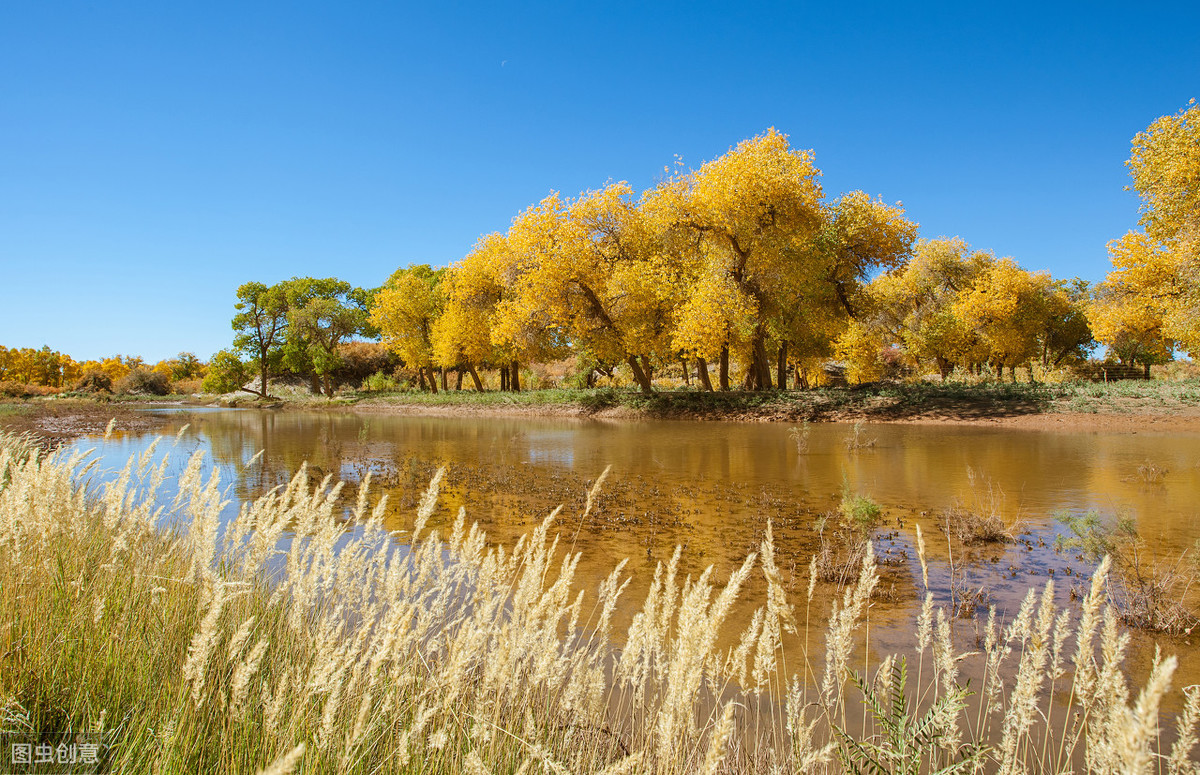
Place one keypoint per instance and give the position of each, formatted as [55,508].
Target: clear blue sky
[156,155]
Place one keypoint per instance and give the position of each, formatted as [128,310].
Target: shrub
[972,527]
[359,361]
[142,381]
[94,381]
[11,389]
[1148,595]
[379,383]
[187,386]
[845,536]
[226,373]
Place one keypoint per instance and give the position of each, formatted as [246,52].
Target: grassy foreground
[193,649]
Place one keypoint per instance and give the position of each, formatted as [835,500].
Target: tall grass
[295,642]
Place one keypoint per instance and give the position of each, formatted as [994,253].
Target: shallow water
[711,487]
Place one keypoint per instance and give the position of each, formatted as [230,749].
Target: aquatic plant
[1147,594]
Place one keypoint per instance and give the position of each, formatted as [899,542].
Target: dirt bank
[1157,410]
[58,421]
[1115,416]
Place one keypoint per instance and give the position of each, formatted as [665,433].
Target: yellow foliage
[860,348]
[1008,308]
[1158,273]
[1130,310]
[404,311]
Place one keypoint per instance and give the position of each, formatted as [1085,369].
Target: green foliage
[858,511]
[322,314]
[379,383]
[1094,535]
[186,366]
[226,373]
[906,745]
[261,323]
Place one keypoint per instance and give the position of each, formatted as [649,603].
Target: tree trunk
[503,379]
[702,372]
[328,380]
[649,369]
[1146,372]
[445,386]
[432,381]
[516,378]
[723,368]
[944,366]
[750,381]
[458,379]
[781,371]
[638,374]
[421,378]
[314,384]
[263,376]
[801,381]
[762,364]
[687,377]
[475,377]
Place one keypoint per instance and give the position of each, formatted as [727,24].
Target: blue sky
[154,156]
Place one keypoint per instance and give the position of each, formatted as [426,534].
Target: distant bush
[379,383]
[183,386]
[144,381]
[12,389]
[94,381]
[360,361]
[226,373]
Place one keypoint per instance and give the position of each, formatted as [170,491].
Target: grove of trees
[742,273]
[743,264]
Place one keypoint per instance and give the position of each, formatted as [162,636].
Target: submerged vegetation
[1146,592]
[296,638]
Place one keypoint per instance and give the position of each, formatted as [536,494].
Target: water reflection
[711,487]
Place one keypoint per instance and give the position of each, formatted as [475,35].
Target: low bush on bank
[144,381]
[93,381]
[298,641]
[10,389]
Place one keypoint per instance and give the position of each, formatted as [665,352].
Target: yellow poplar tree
[756,210]
[405,311]
[1159,271]
[1008,308]
[914,306]
[1129,311]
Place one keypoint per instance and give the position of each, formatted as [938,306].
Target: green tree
[321,315]
[261,323]
[186,366]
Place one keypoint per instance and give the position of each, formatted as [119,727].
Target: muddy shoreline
[55,422]
[1120,419]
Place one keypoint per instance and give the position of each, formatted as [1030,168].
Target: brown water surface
[711,487]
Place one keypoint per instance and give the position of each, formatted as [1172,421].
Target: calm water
[711,487]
